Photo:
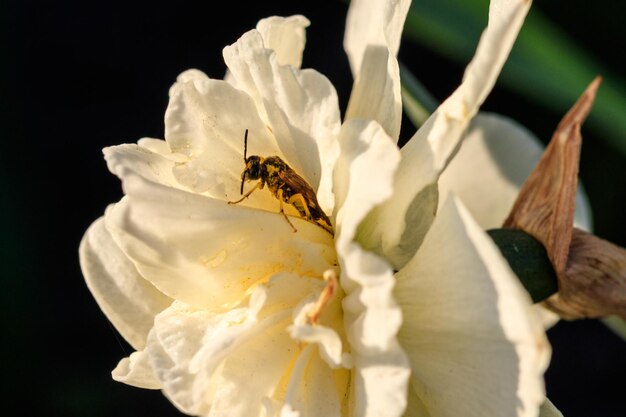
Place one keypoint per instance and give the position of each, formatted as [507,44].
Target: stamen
[330,276]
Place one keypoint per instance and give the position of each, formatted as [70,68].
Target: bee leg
[279,195]
[300,198]
[258,186]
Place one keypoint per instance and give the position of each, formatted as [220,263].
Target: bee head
[252,170]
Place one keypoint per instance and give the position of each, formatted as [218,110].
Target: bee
[284,184]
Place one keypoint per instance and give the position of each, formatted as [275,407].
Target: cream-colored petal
[175,342]
[150,165]
[313,388]
[161,147]
[363,175]
[329,342]
[376,92]
[126,298]
[427,153]
[371,315]
[228,361]
[373,22]
[286,36]
[496,156]
[446,126]
[300,107]
[257,375]
[206,120]
[206,252]
[385,230]
[548,317]
[136,370]
[415,407]
[474,344]
[372,40]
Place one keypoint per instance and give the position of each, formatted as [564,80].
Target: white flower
[232,313]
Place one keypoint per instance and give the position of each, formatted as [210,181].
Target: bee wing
[299,185]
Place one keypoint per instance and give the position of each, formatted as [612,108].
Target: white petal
[312,389]
[204,251]
[385,230]
[475,346]
[161,147]
[376,92]
[126,298]
[228,362]
[176,338]
[372,40]
[446,126]
[548,317]
[206,120]
[371,315]
[300,107]
[258,374]
[426,154]
[207,252]
[496,157]
[136,370]
[150,165]
[286,36]
[328,340]
[373,22]
[364,173]
[415,407]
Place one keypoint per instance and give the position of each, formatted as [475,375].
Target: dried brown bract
[594,281]
[591,271]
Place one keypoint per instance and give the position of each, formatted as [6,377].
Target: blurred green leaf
[616,324]
[417,101]
[544,66]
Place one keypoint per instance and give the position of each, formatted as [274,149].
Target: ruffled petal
[496,157]
[446,126]
[327,334]
[299,107]
[313,386]
[376,92]
[328,341]
[136,370]
[206,120]
[373,22]
[204,251]
[153,166]
[371,315]
[427,153]
[372,40]
[286,36]
[126,298]
[234,362]
[474,344]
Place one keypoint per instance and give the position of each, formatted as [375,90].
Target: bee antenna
[245,145]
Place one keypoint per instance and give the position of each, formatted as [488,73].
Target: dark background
[79,76]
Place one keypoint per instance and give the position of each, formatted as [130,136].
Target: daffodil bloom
[400,312]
